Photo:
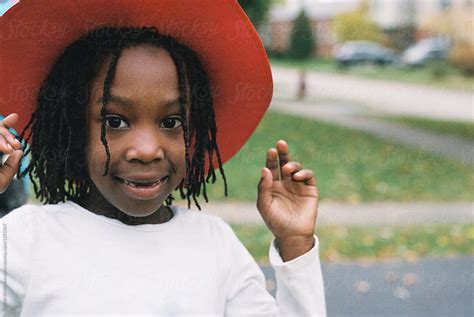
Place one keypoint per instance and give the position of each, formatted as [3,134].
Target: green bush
[302,41]
[462,56]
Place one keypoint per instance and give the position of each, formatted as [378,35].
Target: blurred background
[375,96]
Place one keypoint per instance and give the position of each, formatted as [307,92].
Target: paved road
[379,95]
[431,287]
[377,213]
[361,118]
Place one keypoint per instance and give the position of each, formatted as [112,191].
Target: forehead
[143,73]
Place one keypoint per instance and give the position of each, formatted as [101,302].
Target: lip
[143,188]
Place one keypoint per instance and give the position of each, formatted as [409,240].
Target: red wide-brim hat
[34,33]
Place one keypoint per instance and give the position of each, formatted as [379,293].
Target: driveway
[430,287]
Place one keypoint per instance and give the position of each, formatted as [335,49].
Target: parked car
[359,52]
[425,51]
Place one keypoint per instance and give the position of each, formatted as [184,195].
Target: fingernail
[263,172]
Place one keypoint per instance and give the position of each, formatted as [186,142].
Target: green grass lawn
[460,129]
[341,243]
[452,77]
[351,166]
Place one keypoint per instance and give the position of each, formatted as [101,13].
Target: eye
[114,122]
[171,123]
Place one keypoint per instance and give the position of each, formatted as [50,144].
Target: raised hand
[288,202]
[11,146]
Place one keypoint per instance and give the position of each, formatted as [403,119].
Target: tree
[355,25]
[256,10]
[302,40]
[462,56]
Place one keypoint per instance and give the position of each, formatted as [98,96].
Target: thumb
[9,169]
[264,198]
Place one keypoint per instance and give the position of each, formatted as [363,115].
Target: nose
[145,147]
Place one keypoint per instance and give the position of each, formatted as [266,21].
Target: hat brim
[34,34]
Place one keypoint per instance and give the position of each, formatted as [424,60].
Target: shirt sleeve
[15,250]
[300,286]
[300,290]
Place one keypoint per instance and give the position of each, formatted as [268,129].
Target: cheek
[178,158]
[93,146]
[95,161]
[96,158]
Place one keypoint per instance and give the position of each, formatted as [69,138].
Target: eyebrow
[126,102]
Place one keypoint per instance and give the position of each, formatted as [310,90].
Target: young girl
[122,103]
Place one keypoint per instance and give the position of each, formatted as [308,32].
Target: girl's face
[144,134]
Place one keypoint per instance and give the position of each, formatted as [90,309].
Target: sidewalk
[378,95]
[365,214]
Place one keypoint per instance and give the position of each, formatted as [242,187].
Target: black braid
[56,130]
[183,100]
[105,100]
[205,138]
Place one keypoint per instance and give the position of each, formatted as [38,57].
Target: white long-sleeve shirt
[65,260]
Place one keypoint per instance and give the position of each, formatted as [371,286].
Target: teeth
[134,184]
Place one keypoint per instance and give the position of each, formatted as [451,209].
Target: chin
[141,209]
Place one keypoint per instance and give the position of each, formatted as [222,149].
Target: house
[425,17]
[396,13]
[276,34]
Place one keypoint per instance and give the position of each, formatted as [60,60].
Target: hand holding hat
[11,146]
[288,202]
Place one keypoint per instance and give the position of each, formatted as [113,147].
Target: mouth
[143,188]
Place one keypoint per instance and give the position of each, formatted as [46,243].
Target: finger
[283,152]
[9,121]
[306,176]
[264,197]
[272,163]
[9,138]
[9,169]
[289,169]
[5,147]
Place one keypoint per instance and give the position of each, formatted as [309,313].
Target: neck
[161,215]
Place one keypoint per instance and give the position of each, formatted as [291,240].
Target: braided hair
[56,130]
